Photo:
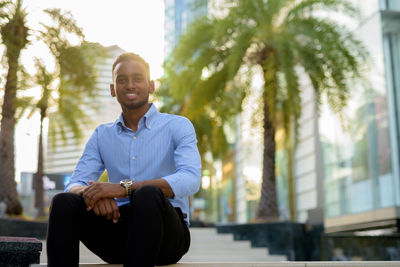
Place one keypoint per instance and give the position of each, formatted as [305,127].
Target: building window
[357,155]
[393,66]
[393,5]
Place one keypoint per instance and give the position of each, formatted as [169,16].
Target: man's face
[131,84]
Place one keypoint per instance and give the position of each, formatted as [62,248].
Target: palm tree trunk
[292,196]
[268,208]
[8,191]
[39,190]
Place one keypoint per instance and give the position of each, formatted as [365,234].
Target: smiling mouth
[131,96]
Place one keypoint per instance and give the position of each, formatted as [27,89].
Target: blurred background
[332,92]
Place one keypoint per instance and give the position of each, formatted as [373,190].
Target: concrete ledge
[265,264]
[23,228]
[19,251]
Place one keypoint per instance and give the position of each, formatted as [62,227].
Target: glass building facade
[178,16]
[358,174]
[393,5]
[341,169]
[361,153]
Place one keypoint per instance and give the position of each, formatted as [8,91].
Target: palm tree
[44,79]
[208,125]
[14,33]
[67,90]
[281,39]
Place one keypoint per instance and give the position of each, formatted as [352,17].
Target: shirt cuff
[172,184]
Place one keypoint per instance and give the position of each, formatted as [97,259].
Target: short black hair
[131,56]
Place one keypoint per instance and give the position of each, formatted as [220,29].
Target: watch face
[125,182]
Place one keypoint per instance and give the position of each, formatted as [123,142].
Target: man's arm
[89,167]
[185,181]
[106,207]
[160,183]
[78,189]
[97,190]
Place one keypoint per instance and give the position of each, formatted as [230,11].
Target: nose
[131,84]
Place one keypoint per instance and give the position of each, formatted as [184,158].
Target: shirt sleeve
[90,165]
[186,179]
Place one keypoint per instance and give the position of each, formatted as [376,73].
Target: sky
[134,25]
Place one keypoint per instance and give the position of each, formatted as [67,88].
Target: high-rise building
[361,178]
[178,16]
[347,172]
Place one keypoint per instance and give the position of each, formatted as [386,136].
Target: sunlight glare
[134,25]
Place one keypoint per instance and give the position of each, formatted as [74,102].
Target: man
[140,217]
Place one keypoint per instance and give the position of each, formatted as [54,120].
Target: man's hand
[96,191]
[108,208]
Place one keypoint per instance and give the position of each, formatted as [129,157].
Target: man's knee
[147,193]
[65,201]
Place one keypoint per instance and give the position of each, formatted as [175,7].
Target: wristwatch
[127,184]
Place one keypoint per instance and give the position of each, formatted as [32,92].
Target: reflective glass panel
[357,155]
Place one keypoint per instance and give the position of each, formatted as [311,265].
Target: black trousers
[149,232]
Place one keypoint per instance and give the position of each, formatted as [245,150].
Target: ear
[112,90]
[151,87]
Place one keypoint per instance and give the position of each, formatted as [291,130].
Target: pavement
[206,246]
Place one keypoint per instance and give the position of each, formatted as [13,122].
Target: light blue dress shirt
[164,146]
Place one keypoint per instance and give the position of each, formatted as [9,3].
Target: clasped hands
[99,197]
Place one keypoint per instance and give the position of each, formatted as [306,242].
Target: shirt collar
[120,122]
[148,118]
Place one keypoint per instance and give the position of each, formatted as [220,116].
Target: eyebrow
[120,76]
[133,74]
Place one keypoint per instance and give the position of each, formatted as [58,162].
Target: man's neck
[132,116]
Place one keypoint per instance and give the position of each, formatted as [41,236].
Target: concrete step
[249,251]
[206,246]
[224,245]
[207,232]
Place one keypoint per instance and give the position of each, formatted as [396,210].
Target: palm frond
[23,104]
[65,21]
[279,36]
[306,8]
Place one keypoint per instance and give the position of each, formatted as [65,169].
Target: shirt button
[133,158]
[134,138]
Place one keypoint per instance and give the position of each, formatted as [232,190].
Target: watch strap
[127,184]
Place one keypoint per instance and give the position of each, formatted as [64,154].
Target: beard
[132,106]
